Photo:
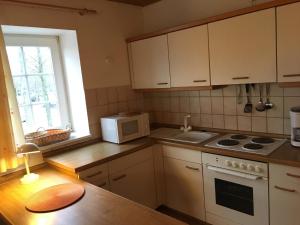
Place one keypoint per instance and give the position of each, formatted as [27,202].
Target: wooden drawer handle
[284,189]
[199,81]
[102,185]
[192,168]
[162,83]
[240,78]
[293,175]
[291,75]
[120,177]
[94,174]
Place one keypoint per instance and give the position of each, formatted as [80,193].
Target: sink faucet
[186,127]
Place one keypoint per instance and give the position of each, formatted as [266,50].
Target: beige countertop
[97,206]
[91,155]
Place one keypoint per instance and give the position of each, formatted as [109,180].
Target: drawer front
[182,154]
[130,160]
[284,176]
[94,173]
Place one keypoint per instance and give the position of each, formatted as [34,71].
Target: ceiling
[136,2]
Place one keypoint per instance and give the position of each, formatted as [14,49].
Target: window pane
[15,60]
[46,59]
[38,60]
[22,93]
[27,119]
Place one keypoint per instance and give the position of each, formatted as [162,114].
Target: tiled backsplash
[220,109]
[109,101]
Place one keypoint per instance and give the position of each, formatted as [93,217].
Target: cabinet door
[136,183]
[150,63]
[184,187]
[189,59]
[284,195]
[288,39]
[243,49]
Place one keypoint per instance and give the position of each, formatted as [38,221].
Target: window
[38,81]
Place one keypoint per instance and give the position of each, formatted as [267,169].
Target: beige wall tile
[244,123]
[175,118]
[205,105]
[122,107]
[183,93]
[206,120]
[230,106]
[112,108]
[217,105]
[166,104]
[132,106]
[102,98]
[95,130]
[276,91]
[292,92]
[275,125]
[112,95]
[218,121]
[195,104]
[288,103]
[259,124]
[205,93]
[240,108]
[216,92]
[184,104]
[122,93]
[91,97]
[230,91]
[287,126]
[195,120]
[194,93]
[175,104]
[230,122]
[277,110]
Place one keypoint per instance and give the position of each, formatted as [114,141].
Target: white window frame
[53,43]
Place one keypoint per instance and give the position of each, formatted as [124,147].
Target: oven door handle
[234,173]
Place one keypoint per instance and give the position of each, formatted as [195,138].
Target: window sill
[75,138]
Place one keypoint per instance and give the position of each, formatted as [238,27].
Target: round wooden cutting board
[55,198]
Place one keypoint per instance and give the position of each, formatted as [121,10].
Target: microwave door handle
[233,173]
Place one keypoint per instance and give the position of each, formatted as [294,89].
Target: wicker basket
[47,137]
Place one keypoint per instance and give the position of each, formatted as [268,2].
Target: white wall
[169,13]
[99,36]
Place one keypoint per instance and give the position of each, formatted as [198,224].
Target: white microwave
[122,128]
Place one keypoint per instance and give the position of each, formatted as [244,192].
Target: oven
[236,191]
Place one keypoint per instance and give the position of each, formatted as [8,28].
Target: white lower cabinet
[284,195]
[184,182]
[132,177]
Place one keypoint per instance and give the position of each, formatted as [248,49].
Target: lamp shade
[28,148]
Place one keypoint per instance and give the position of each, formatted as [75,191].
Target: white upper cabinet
[288,42]
[150,63]
[189,57]
[243,49]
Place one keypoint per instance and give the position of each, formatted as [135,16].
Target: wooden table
[96,207]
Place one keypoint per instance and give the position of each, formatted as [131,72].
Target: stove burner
[253,146]
[228,142]
[263,140]
[238,137]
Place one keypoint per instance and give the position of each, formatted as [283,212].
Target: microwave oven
[125,127]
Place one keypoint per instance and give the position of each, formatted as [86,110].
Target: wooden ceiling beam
[136,2]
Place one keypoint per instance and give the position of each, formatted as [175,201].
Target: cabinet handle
[120,177]
[199,81]
[94,174]
[240,78]
[284,189]
[162,83]
[192,168]
[102,185]
[291,75]
[293,175]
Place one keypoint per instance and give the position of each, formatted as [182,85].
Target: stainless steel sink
[194,137]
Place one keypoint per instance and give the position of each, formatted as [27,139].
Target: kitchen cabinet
[189,57]
[149,63]
[97,175]
[288,38]
[284,195]
[184,182]
[132,177]
[243,49]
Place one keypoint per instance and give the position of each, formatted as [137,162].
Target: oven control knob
[235,164]
[243,166]
[228,163]
[258,169]
[250,167]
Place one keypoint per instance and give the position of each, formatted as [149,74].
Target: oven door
[235,197]
[130,128]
